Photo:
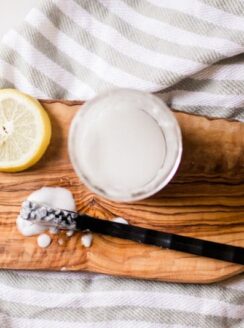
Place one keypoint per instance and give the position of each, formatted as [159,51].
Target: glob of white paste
[54,197]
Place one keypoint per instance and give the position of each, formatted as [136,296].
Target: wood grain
[205,200]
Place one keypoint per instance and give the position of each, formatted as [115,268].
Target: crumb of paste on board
[60,241]
[120,220]
[44,240]
[70,233]
[86,240]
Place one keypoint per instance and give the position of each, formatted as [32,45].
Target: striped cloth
[190,52]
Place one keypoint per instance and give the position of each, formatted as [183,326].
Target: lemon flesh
[25,131]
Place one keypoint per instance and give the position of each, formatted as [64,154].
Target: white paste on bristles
[54,230]
[27,228]
[55,197]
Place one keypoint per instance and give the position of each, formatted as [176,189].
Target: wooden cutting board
[204,200]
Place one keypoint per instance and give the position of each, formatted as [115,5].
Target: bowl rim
[99,191]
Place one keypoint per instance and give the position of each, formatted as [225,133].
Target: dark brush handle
[163,239]
[38,213]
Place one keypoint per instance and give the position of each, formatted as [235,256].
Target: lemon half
[25,131]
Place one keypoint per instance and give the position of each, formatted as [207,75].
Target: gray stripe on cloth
[4,83]
[62,285]
[212,111]
[238,59]
[103,50]
[187,21]
[221,87]
[235,7]
[198,54]
[122,313]
[41,43]
[36,78]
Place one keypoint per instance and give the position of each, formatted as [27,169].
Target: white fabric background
[12,13]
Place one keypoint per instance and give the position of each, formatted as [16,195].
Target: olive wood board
[205,200]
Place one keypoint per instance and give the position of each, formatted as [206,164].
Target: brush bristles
[42,214]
